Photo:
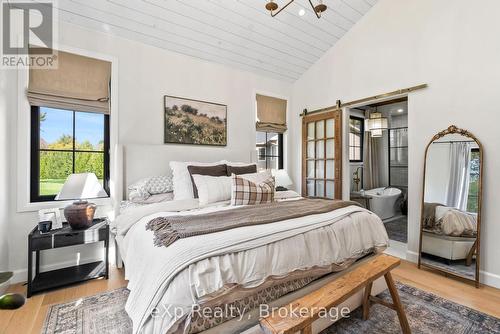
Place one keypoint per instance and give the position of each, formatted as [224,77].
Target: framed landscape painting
[195,122]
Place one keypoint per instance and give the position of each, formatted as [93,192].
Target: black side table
[64,237]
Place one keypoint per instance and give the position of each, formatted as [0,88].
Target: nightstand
[64,237]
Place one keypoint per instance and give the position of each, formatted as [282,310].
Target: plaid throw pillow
[245,192]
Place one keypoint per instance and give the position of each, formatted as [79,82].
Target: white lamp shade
[282,178]
[81,186]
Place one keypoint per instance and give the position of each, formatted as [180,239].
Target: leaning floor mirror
[451,205]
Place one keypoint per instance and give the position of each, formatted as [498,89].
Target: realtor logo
[28,31]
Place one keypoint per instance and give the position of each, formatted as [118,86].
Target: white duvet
[187,272]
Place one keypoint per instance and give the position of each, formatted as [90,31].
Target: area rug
[457,266]
[427,314]
[397,229]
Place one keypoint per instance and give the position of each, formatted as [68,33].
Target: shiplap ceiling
[239,33]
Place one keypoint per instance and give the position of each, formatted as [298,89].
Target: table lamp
[80,187]
[282,180]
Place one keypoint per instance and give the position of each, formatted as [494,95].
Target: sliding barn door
[322,155]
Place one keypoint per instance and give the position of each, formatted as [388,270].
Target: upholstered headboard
[141,161]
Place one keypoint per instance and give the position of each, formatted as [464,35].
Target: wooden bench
[336,292]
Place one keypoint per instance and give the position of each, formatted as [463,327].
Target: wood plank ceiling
[238,33]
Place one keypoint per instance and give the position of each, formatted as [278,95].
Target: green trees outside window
[66,142]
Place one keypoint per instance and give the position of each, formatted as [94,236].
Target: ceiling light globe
[320,8]
[271,6]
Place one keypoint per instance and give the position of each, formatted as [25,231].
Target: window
[65,142]
[269,146]
[472,199]
[356,133]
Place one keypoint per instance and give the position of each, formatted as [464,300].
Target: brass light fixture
[376,124]
[274,9]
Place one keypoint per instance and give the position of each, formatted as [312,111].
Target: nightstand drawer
[41,243]
[79,237]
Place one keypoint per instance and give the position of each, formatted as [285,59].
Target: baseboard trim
[489,279]
[412,256]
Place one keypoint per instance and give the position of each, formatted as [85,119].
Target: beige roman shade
[79,83]
[271,114]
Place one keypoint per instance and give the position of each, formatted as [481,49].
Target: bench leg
[366,301]
[397,303]
[306,330]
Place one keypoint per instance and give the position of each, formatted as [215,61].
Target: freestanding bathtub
[383,201]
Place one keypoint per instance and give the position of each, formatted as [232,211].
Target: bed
[448,232]
[238,268]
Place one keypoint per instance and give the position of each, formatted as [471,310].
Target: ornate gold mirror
[451,204]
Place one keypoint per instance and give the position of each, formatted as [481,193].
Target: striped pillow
[245,192]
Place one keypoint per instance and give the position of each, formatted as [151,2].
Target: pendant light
[376,124]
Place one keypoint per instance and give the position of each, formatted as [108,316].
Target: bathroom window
[356,133]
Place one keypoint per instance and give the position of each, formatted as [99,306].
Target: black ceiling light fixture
[274,9]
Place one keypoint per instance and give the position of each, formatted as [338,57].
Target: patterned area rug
[98,314]
[397,229]
[458,266]
[427,314]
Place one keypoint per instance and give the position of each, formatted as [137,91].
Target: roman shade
[78,83]
[271,114]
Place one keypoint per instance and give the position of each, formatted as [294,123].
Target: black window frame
[35,155]
[280,151]
[469,195]
[362,139]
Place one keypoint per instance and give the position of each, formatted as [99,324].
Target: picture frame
[194,122]
[52,214]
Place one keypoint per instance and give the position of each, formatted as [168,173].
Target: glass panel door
[321,150]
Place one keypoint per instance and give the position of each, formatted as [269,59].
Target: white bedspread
[190,269]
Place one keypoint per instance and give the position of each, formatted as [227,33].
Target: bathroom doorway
[378,162]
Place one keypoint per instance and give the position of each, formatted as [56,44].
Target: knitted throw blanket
[169,229]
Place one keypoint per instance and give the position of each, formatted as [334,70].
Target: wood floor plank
[22,320]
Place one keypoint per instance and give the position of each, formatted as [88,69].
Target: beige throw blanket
[169,229]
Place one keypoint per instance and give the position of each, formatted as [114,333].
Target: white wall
[453,46]
[5,111]
[145,75]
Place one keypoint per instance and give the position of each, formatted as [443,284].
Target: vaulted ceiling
[239,33]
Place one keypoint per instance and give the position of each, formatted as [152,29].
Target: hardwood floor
[30,318]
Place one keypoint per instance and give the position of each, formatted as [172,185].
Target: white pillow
[212,189]
[154,185]
[257,178]
[159,184]
[138,192]
[238,164]
[181,179]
